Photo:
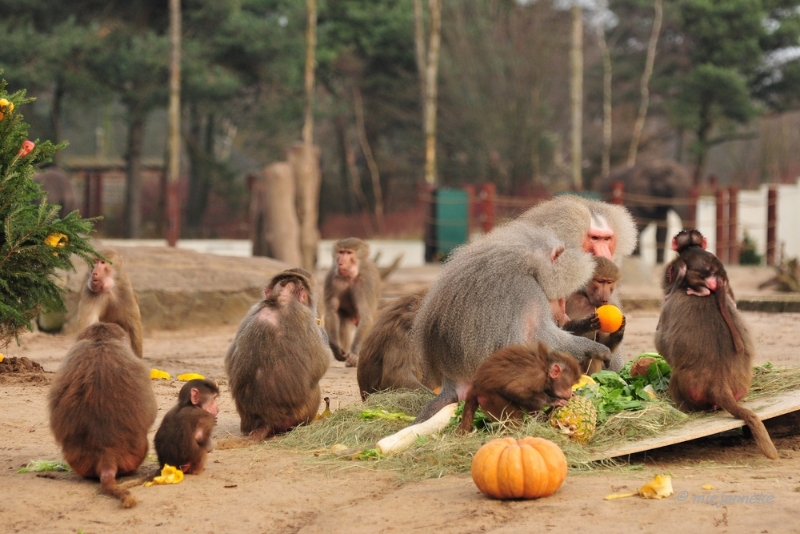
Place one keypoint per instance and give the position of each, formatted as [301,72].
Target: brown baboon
[493,292]
[184,437]
[700,273]
[277,359]
[352,292]
[107,296]
[707,370]
[101,407]
[389,358]
[518,379]
[582,304]
[599,228]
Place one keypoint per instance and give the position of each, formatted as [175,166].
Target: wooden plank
[765,408]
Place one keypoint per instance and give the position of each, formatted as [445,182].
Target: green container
[450,222]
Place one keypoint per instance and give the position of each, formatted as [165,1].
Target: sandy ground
[262,488]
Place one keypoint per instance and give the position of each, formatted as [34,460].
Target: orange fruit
[610,318]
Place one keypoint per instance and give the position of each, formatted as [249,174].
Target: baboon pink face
[102,277]
[347,263]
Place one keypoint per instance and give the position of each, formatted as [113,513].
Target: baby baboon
[184,437]
[389,358]
[493,292]
[582,304]
[277,359]
[101,407]
[707,369]
[518,379]
[108,297]
[352,292]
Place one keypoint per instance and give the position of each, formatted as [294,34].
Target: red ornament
[27,146]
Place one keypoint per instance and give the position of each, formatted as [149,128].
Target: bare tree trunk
[306,160]
[606,157]
[174,164]
[419,49]
[281,230]
[431,72]
[55,118]
[133,178]
[373,166]
[645,84]
[576,96]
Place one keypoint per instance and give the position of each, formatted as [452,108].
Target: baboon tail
[108,482]
[760,434]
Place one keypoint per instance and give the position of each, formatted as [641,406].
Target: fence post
[772,222]
[722,243]
[486,198]
[733,221]
[617,192]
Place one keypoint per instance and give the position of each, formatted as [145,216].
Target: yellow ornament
[2,357]
[157,374]
[185,377]
[169,475]
[5,107]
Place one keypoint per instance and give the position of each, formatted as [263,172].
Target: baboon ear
[267,292]
[704,243]
[195,396]
[555,371]
[675,244]
[556,252]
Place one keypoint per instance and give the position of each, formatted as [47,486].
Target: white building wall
[789,220]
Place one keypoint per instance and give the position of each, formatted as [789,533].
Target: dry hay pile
[346,439]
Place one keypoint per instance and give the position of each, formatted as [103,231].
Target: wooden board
[721,421]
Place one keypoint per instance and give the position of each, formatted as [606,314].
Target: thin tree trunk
[133,179]
[645,84]
[431,72]
[55,117]
[419,49]
[306,170]
[173,166]
[341,137]
[576,96]
[373,166]
[606,157]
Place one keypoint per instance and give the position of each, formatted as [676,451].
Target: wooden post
[691,212]
[733,221]
[772,223]
[617,192]
[486,201]
[722,248]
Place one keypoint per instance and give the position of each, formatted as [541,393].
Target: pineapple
[577,419]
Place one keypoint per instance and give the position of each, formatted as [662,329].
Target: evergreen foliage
[34,242]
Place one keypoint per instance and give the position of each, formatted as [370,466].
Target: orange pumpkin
[528,468]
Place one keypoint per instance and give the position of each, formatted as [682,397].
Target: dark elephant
[59,189]
[669,185]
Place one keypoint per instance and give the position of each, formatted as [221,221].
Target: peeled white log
[406,437]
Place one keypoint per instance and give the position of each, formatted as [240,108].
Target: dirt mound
[21,369]
[179,288]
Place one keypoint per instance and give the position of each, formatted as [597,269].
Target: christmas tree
[34,242]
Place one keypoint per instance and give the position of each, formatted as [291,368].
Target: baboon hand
[338,353]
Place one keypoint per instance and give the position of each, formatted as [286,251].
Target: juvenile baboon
[707,370]
[107,296]
[581,306]
[700,273]
[101,407]
[352,292]
[390,358]
[277,359]
[600,228]
[520,379]
[493,292]
[184,437]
